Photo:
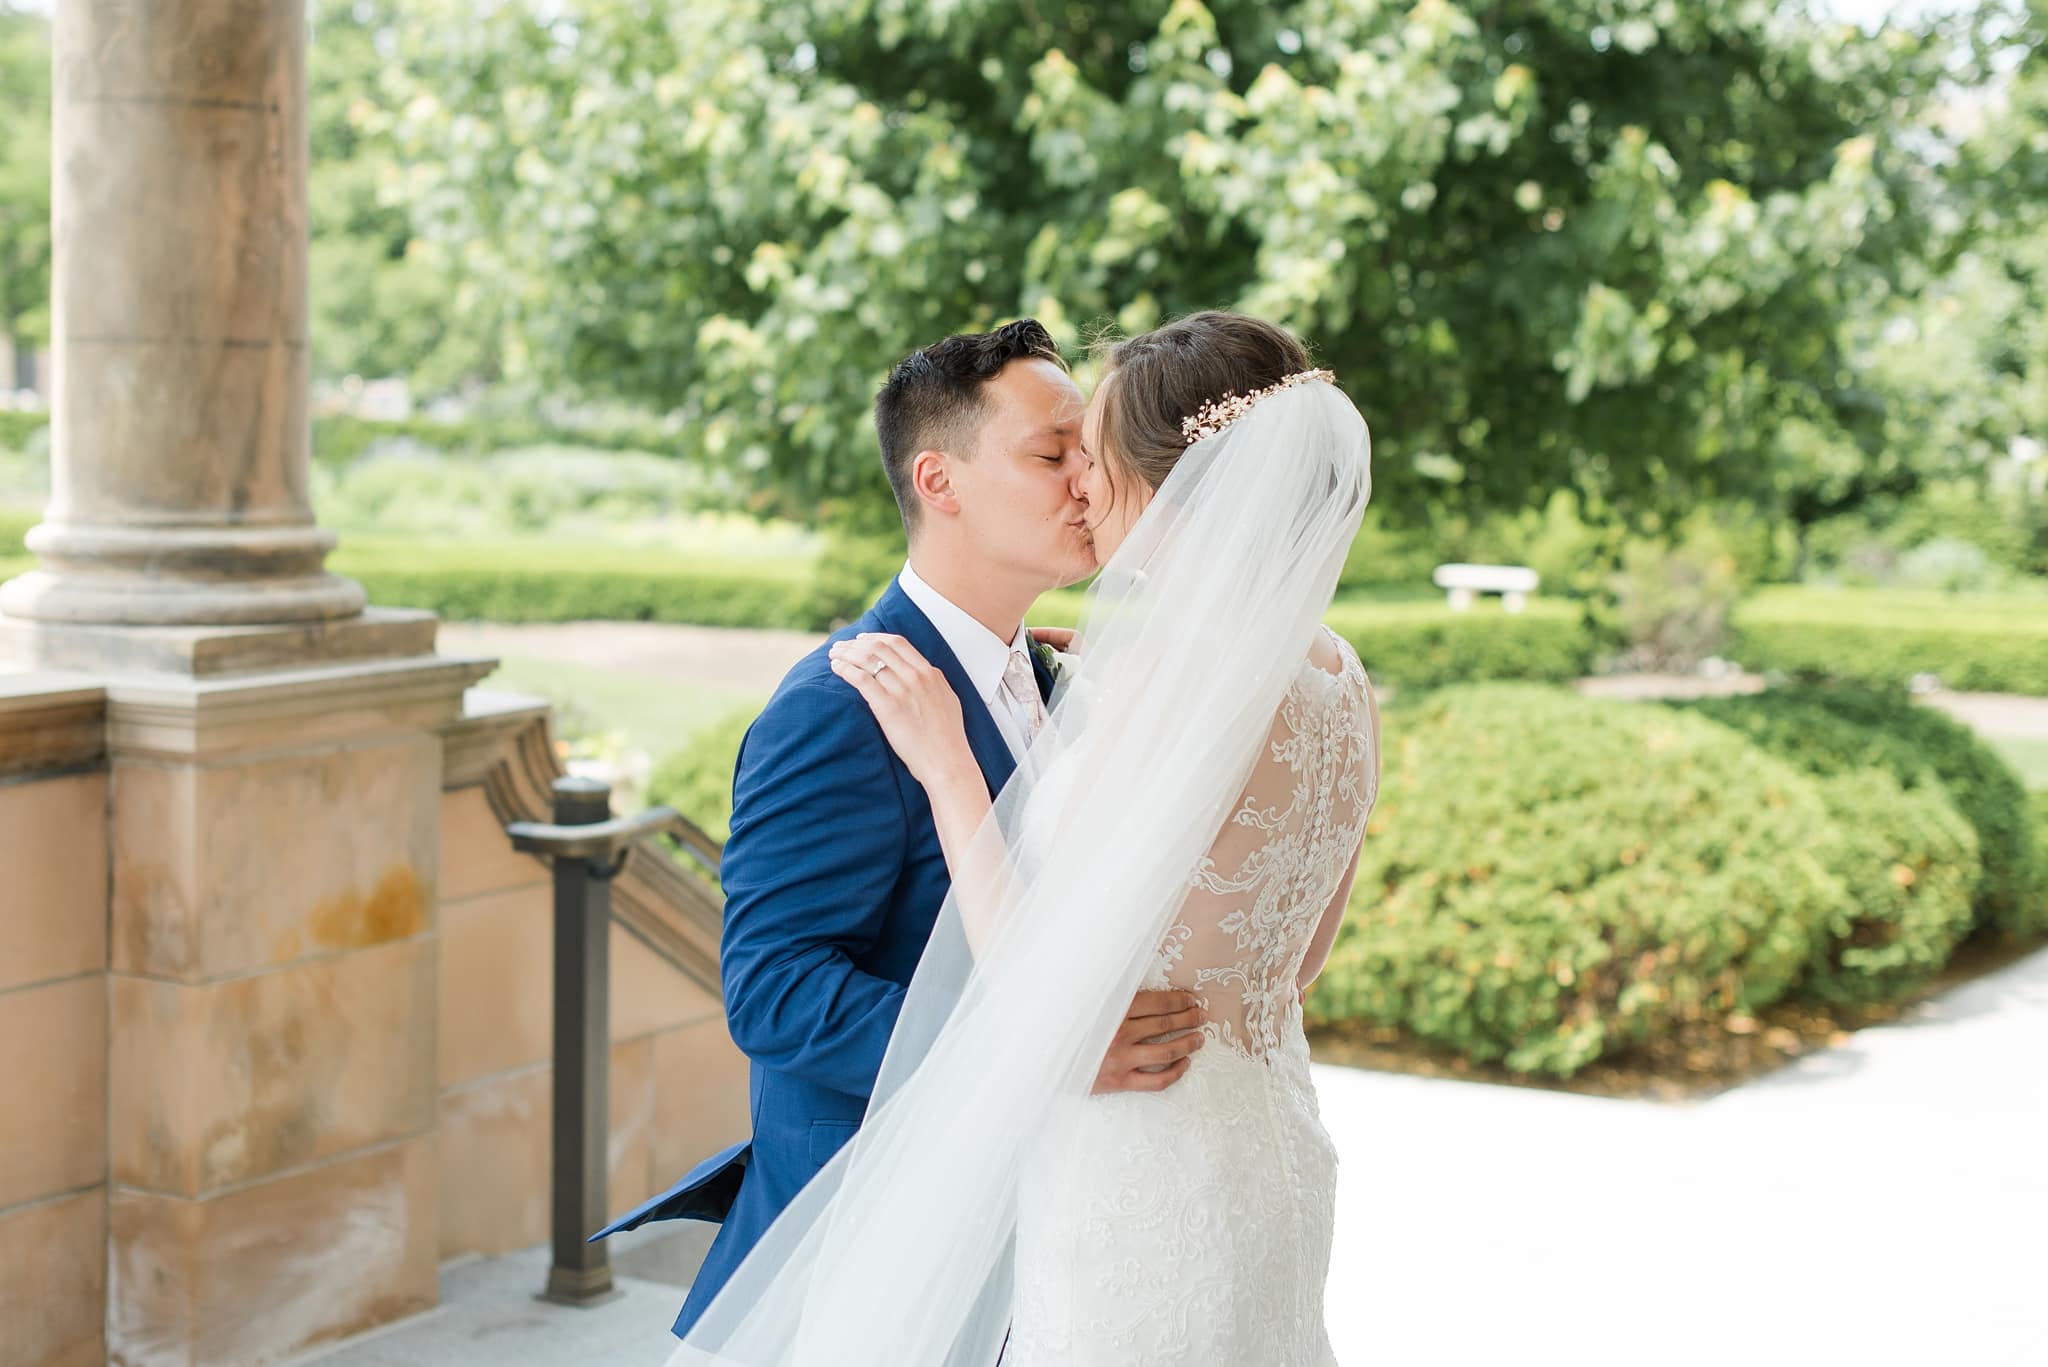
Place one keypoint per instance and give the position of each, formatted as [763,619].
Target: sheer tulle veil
[897,1254]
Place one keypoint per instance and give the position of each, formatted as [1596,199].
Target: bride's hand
[1059,638]
[918,710]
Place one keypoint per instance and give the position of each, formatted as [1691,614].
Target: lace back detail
[1256,898]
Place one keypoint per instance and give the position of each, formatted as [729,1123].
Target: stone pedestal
[236,1110]
[178,311]
[270,1001]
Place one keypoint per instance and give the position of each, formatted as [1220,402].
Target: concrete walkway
[755,661]
[1880,1204]
[1884,1202]
[740,659]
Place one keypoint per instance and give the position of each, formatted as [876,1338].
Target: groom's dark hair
[932,400]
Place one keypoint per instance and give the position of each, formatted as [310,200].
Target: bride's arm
[920,716]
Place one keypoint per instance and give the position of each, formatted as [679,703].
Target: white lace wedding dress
[1191,1227]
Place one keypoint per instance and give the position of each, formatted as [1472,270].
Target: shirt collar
[980,651]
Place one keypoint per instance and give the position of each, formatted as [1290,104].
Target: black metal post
[581,1273]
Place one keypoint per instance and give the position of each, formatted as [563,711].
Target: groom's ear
[931,478]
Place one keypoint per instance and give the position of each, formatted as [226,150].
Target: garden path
[753,661]
[1882,1202]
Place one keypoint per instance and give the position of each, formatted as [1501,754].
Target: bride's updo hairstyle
[1154,382]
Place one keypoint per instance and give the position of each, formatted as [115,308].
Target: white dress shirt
[982,654]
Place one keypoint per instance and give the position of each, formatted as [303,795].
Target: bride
[1189,817]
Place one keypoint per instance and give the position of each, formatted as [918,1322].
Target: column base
[180,576]
[207,652]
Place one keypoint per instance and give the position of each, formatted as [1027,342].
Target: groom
[833,873]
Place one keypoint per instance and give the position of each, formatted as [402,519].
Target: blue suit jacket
[833,880]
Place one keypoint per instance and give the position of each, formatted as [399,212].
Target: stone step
[490,1315]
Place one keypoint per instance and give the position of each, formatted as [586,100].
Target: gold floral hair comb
[1217,414]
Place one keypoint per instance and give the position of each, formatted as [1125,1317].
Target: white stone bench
[1514,584]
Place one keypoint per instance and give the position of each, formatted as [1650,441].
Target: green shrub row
[1427,645]
[1994,644]
[1908,863]
[14,525]
[512,594]
[509,582]
[522,580]
[341,438]
[1834,732]
[1422,643]
[697,779]
[1550,879]
[17,426]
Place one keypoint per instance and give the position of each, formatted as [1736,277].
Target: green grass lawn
[648,712]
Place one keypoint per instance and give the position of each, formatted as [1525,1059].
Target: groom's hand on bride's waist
[1154,1044]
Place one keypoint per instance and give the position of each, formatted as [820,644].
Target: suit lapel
[898,614]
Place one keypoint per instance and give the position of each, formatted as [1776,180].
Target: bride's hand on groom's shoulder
[1059,638]
[918,710]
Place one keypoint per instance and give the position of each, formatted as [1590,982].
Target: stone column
[272,759]
[179,471]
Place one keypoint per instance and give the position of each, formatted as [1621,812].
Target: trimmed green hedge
[1422,643]
[17,426]
[538,582]
[1908,863]
[1427,645]
[1829,731]
[14,525]
[2037,811]
[697,779]
[1550,878]
[340,438]
[1994,643]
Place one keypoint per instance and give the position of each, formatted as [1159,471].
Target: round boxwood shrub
[697,779]
[1837,729]
[1551,878]
[1908,864]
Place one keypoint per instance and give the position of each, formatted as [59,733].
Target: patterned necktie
[1022,686]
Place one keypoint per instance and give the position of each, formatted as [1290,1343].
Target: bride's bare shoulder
[1330,653]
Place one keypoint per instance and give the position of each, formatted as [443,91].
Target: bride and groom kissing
[1018,963]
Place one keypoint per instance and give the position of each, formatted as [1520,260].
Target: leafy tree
[1960,355]
[1972,348]
[384,301]
[24,182]
[1608,245]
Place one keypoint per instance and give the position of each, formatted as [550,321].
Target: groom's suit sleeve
[817,844]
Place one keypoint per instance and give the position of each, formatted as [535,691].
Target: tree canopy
[1603,244]
[24,177]
[385,301]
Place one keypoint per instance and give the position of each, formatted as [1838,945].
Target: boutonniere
[1054,663]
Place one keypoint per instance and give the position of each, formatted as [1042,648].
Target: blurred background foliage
[1729,317]
[1622,248]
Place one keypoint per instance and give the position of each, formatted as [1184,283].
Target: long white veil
[897,1253]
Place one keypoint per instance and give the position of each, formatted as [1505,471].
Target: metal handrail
[608,842]
[587,847]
